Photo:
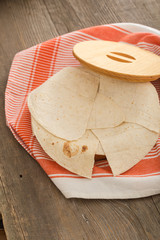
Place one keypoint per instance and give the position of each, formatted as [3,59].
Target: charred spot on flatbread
[70,149]
[84,148]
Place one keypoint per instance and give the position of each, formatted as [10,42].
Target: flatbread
[139,101]
[78,115]
[100,150]
[105,113]
[76,156]
[62,105]
[125,145]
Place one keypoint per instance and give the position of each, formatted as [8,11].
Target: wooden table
[31,206]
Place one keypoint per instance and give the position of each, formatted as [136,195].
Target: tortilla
[125,145]
[139,101]
[99,150]
[77,120]
[76,156]
[62,105]
[105,113]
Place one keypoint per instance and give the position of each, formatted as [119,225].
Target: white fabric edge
[135,27]
[109,187]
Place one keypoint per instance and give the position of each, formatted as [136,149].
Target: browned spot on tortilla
[70,151]
[84,148]
[52,143]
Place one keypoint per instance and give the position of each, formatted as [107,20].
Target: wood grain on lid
[120,60]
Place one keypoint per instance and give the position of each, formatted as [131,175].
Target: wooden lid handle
[120,60]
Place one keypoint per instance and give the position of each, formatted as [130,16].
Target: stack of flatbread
[78,114]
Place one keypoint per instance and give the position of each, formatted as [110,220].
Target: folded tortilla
[105,113]
[62,105]
[76,156]
[100,150]
[139,101]
[125,145]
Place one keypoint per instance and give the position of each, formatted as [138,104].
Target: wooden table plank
[104,12]
[156,201]
[31,206]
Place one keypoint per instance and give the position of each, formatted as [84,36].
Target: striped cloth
[32,67]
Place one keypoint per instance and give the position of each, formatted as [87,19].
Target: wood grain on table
[31,206]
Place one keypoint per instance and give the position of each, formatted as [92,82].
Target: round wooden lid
[118,59]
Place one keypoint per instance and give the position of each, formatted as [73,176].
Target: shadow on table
[2,232]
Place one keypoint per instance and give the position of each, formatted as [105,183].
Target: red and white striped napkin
[32,67]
